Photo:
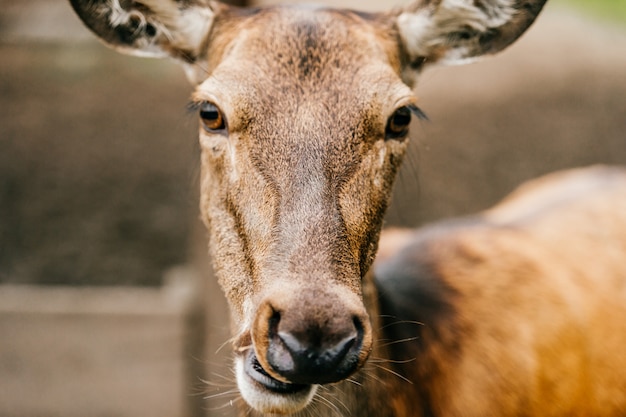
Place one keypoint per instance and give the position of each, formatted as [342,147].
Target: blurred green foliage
[614,10]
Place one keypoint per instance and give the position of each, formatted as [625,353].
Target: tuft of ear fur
[458,31]
[149,28]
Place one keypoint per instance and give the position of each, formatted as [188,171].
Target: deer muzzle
[312,337]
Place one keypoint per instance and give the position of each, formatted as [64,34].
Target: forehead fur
[317,36]
[293,77]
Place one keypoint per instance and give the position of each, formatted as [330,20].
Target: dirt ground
[91,191]
[99,162]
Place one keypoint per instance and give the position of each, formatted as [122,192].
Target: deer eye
[211,117]
[398,123]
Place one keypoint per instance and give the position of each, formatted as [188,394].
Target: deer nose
[314,352]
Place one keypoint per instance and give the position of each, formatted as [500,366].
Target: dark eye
[398,123]
[211,117]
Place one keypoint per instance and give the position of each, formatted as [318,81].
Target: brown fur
[294,188]
[520,309]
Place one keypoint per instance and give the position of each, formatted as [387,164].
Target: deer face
[304,116]
[299,155]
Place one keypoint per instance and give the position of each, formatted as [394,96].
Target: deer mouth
[255,371]
[265,393]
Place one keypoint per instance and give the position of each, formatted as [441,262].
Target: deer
[304,116]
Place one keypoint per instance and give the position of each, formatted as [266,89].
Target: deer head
[304,117]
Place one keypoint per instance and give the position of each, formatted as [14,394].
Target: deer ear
[456,31]
[149,28]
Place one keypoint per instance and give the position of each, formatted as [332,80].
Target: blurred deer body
[520,308]
[304,120]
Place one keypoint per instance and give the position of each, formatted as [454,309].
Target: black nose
[314,353]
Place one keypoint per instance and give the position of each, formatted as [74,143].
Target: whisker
[224,344]
[370,373]
[393,373]
[354,381]
[332,404]
[227,382]
[395,342]
[419,323]
[222,394]
[322,400]
[396,361]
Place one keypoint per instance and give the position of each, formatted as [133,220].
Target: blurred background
[99,169]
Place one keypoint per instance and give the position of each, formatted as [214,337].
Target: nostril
[315,354]
[344,346]
[360,330]
[273,322]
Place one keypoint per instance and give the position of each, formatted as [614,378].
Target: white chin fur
[266,401]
